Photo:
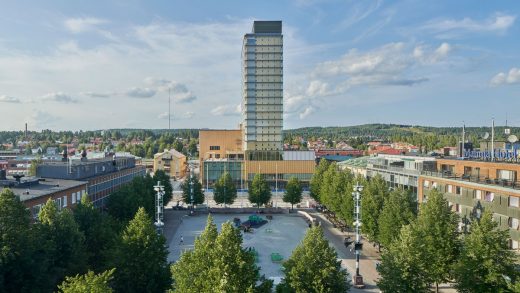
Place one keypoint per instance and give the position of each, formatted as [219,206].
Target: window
[217,156]
[35,210]
[434,184]
[458,190]
[514,244]
[214,148]
[513,223]
[449,188]
[426,183]
[57,201]
[64,201]
[478,194]
[78,197]
[489,196]
[514,201]
[73,198]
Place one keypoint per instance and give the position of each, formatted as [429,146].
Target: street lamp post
[159,189]
[358,279]
[191,188]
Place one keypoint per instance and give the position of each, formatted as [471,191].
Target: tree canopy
[485,259]
[314,267]
[225,191]
[198,194]
[88,282]
[259,191]
[140,258]
[293,192]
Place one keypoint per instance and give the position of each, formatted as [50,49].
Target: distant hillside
[389,131]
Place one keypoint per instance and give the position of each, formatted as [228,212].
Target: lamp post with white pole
[358,279]
[159,189]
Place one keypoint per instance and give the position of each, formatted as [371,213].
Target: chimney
[26,131]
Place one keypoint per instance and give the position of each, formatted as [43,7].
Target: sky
[92,65]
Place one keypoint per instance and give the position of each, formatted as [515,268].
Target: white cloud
[98,95]
[185,115]
[9,99]
[306,112]
[226,110]
[390,64]
[358,12]
[498,23]
[140,92]
[83,24]
[58,97]
[427,56]
[511,77]
[179,91]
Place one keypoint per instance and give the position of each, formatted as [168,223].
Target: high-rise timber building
[262,104]
[257,147]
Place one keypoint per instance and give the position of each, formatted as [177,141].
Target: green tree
[317,177]
[140,258]
[190,272]
[34,165]
[88,282]
[68,256]
[326,191]
[124,203]
[372,199]
[178,146]
[99,230]
[293,192]
[198,195]
[192,147]
[234,267]
[395,214]
[259,191]
[485,259]
[327,196]
[162,177]
[218,263]
[314,266]
[401,268]
[437,228]
[225,190]
[23,259]
[343,187]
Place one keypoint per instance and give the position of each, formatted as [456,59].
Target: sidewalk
[367,261]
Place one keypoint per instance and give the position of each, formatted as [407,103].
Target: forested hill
[393,131]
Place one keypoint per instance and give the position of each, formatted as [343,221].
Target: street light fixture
[159,189]
[358,246]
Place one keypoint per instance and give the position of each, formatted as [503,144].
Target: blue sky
[109,64]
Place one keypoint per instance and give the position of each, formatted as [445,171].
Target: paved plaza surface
[281,235]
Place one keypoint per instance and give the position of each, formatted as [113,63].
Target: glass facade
[262,55]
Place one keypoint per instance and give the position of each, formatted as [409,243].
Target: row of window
[214,147]
[61,202]
[513,201]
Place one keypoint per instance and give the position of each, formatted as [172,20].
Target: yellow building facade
[172,162]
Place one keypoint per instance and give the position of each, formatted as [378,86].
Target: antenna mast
[169,109]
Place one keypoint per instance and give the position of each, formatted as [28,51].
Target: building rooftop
[356,162]
[269,27]
[44,187]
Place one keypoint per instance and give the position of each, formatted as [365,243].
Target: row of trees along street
[225,191]
[420,248]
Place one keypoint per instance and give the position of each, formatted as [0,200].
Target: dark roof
[269,27]
[49,186]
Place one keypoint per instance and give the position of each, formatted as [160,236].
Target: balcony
[514,184]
